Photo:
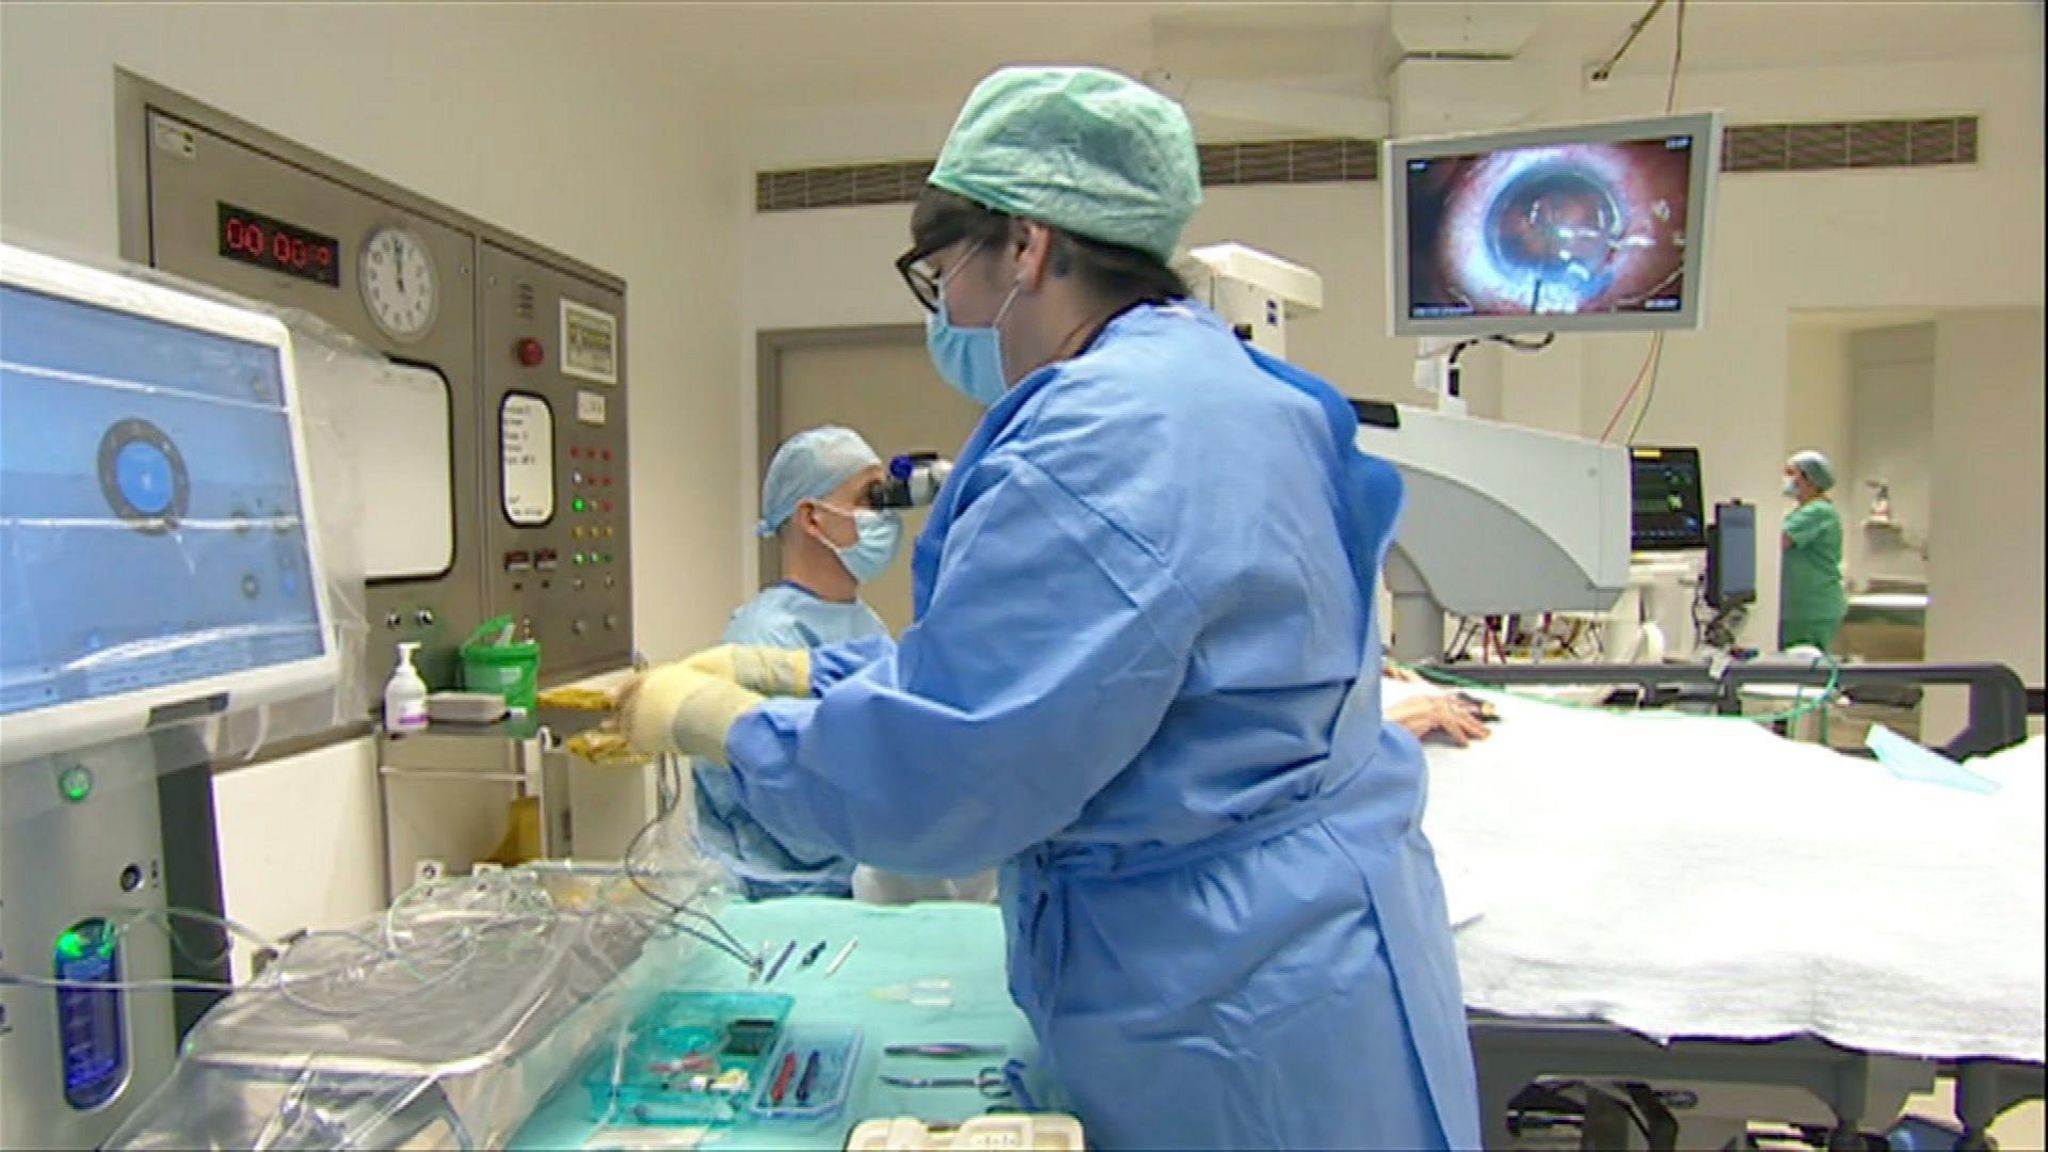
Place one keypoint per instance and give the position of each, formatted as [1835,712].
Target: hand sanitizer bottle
[405,695]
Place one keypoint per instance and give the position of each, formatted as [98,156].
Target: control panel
[552,365]
[492,469]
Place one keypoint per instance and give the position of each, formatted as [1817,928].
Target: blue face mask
[881,535]
[969,359]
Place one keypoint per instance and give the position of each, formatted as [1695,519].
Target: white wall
[1959,236]
[1891,437]
[1817,396]
[1985,569]
[554,121]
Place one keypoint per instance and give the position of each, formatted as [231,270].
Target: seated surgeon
[813,499]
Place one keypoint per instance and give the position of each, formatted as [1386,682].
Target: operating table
[1661,1082]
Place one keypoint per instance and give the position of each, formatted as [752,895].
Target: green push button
[75,783]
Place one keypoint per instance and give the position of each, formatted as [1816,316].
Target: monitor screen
[1731,556]
[154,529]
[1599,227]
[1667,512]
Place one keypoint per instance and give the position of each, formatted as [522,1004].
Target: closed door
[882,386]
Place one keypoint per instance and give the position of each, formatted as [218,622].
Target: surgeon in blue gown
[813,499]
[1144,673]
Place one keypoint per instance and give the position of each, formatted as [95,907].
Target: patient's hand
[1448,715]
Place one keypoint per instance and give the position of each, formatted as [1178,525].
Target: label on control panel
[526,447]
[590,343]
[589,406]
[177,139]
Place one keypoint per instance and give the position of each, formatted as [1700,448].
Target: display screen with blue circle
[154,528]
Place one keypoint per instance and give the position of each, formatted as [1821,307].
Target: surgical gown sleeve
[832,663]
[1052,645]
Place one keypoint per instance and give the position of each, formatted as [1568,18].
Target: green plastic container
[510,669]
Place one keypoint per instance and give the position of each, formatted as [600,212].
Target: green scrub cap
[1815,468]
[1082,149]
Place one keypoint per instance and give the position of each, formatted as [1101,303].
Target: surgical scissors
[1004,1083]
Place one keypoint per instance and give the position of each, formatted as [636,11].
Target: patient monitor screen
[1558,229]
[153,531]
[1666,513]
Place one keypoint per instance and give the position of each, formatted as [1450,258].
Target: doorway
[878,382]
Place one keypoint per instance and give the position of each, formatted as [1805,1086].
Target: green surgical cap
[1082,149]
[1815,468]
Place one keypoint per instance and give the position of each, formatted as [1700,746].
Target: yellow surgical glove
[570,698]
[677,708]
[606,747]
[769,671]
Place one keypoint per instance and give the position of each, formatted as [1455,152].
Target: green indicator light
[75,783]
[70,946]
[578,504]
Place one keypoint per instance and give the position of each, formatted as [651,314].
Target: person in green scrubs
[1811,602]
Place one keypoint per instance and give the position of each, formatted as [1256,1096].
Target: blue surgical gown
[783,616]
[1143,679]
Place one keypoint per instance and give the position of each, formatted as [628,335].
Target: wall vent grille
[1805,147]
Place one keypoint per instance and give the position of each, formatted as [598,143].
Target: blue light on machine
[89,1026]
[144,475]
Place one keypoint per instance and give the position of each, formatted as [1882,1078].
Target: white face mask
[1792,487]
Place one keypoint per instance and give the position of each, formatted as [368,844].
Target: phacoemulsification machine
[159,569]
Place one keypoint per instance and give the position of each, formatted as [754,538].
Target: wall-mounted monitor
[157,557]
[1580,228]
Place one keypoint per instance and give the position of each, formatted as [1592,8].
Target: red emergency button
[529,352]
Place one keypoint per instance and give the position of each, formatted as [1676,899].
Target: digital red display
[253,238]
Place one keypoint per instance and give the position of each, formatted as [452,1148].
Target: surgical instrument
[843,954]
[988,1082]
[946,1050]
[775,969]
[782,1075]
[1004,1083]
[811,957]
[809,1080]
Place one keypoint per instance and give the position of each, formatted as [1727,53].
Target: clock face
[399,284]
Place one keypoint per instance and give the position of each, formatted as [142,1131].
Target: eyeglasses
[926,285]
